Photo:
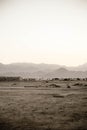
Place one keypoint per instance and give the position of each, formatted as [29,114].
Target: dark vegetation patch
[84,97]
[68,86]
[70,95]
[55,86]
[80,84]
[47,81]
[53,95]
[30,86]
[14,84]
[85,84]
[57,96]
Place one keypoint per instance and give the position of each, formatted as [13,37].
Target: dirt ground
[43,105]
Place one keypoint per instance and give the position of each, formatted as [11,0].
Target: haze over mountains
[31,70]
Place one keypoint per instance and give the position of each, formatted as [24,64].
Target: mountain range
[31,70]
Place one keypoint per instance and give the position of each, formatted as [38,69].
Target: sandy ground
[43,106]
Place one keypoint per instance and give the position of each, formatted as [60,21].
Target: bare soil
[43,105]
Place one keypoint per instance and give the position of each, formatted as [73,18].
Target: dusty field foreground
[43,105]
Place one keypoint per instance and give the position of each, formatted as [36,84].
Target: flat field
[43,105]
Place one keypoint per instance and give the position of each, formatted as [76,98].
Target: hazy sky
[43,31]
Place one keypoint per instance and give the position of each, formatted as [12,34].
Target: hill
[43,70]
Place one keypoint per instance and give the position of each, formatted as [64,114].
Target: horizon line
[43,63]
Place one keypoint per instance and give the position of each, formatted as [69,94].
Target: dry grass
[43,108]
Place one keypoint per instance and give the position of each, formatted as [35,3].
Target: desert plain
[43,105]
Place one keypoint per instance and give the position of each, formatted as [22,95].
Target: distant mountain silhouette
[64,73]
[43,70]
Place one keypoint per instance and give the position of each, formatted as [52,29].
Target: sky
[43,31]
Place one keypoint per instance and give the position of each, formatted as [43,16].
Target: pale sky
[43,31]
